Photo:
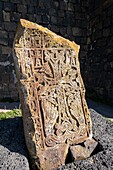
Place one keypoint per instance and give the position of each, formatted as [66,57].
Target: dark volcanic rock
[103,157]
[12,161]
[13,152]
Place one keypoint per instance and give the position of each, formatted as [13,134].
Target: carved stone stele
[52,94]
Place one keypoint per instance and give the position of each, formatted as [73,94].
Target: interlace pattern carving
[51,89]
[51,77]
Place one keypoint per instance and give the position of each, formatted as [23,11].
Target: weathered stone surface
[90,145]
[52,93]
[82,152]
[79,152]
[54,156]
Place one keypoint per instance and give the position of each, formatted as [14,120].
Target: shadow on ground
[103,109]
[9,105]
[13,151]
[12,135]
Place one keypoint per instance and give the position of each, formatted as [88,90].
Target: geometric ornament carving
[52,94]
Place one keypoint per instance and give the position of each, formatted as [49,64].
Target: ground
[13,151]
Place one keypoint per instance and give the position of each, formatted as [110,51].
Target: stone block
[54,156]
[3,34]
[90,145]
[106,32]
[10,42]
[6,16]
[11,35]
[111,64]
[4,60]
[110,11]
[112,19]
[1,81]
[69,30]
[53,12]
[59,21]
[8,69]
[63,31]
[1,6]
[10,26]
[36,2]
[63,5]
[107,22]
[39,19]
[95,21]
[76,31]
[39,11]
[80,152]
[61,13]
[66,1]
[70,18]
[64,22]
[31,9]
[5,78]
[5,0]
[56,3]
[3,41]
[55,29]
[78,16]
[54,20]
[8,6]
[49,5]
[70,7]
[6,50]
[73,1]
[0,49]
[15,1]
[23,8]
[52,94]
[31,17]
[16,17]
[45,19]
[1,18]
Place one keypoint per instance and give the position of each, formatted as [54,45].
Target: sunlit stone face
[55,113]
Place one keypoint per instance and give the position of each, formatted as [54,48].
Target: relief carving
[52,94]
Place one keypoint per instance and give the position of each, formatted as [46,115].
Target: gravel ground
[14,156]
[13,152]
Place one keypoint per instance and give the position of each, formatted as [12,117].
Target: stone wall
[97,68]
[65,17]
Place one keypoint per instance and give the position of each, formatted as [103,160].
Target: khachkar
[52,95]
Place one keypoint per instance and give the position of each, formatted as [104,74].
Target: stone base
[53,157]
[80,152]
